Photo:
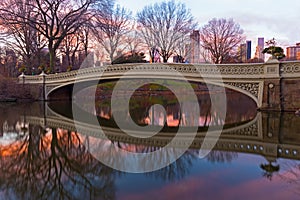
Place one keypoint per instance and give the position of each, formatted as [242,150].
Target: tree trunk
[165,59]
[52,59]
[111,56]
[151,56]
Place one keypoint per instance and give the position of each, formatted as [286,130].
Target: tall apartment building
[248,46]
[293,52]
[259,48]
[245,51]
[194,48]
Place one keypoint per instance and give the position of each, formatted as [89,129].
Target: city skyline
[257,18]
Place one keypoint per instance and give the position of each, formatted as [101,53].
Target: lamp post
[22,76]
[43,75]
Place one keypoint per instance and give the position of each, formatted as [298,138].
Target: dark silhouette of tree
[130,58]
[220,38]
[163,25]
[275,51]
[255,60]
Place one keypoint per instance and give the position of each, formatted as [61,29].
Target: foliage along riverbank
[11,90]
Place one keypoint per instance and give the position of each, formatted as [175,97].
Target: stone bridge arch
[263,82]
[250,89]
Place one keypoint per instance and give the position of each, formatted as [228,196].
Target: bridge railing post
[271,69]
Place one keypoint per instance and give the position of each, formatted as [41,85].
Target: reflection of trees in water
[221,156]
[115,156]
[56,165]
[176,170]
[53,166]
[269,169]
[180,168]
[285,171]
[136,148]
[240,108]
[290,173]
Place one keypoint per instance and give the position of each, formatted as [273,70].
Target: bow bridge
[272,85]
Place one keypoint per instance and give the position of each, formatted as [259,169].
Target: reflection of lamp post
[45,118]
[24,129]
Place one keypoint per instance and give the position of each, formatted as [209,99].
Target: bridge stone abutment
[272,86]
[281,91]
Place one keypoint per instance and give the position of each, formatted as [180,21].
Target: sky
[258,18]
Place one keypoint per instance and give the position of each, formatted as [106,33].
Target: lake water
[45,156]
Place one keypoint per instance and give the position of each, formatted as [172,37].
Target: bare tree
[133,42]
[110,27]
[58,19]
[53,19]
[163,25]
[221,37]
[74,48]
[17,33]
[183,48]
[149,40]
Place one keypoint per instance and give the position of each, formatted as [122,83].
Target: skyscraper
[293,52]
[245,51]
[259,48]
[194,54]
[248,46]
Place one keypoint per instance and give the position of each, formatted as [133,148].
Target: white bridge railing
[205,70]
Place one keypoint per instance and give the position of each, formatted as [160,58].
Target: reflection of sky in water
[238,176]
[240,179]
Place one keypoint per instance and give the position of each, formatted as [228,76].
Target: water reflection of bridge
[257,136]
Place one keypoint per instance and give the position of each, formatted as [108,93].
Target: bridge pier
[272,98]
[281,86]
[271,95]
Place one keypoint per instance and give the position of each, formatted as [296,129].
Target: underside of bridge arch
[65,92]
[254,99]
[62,93]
